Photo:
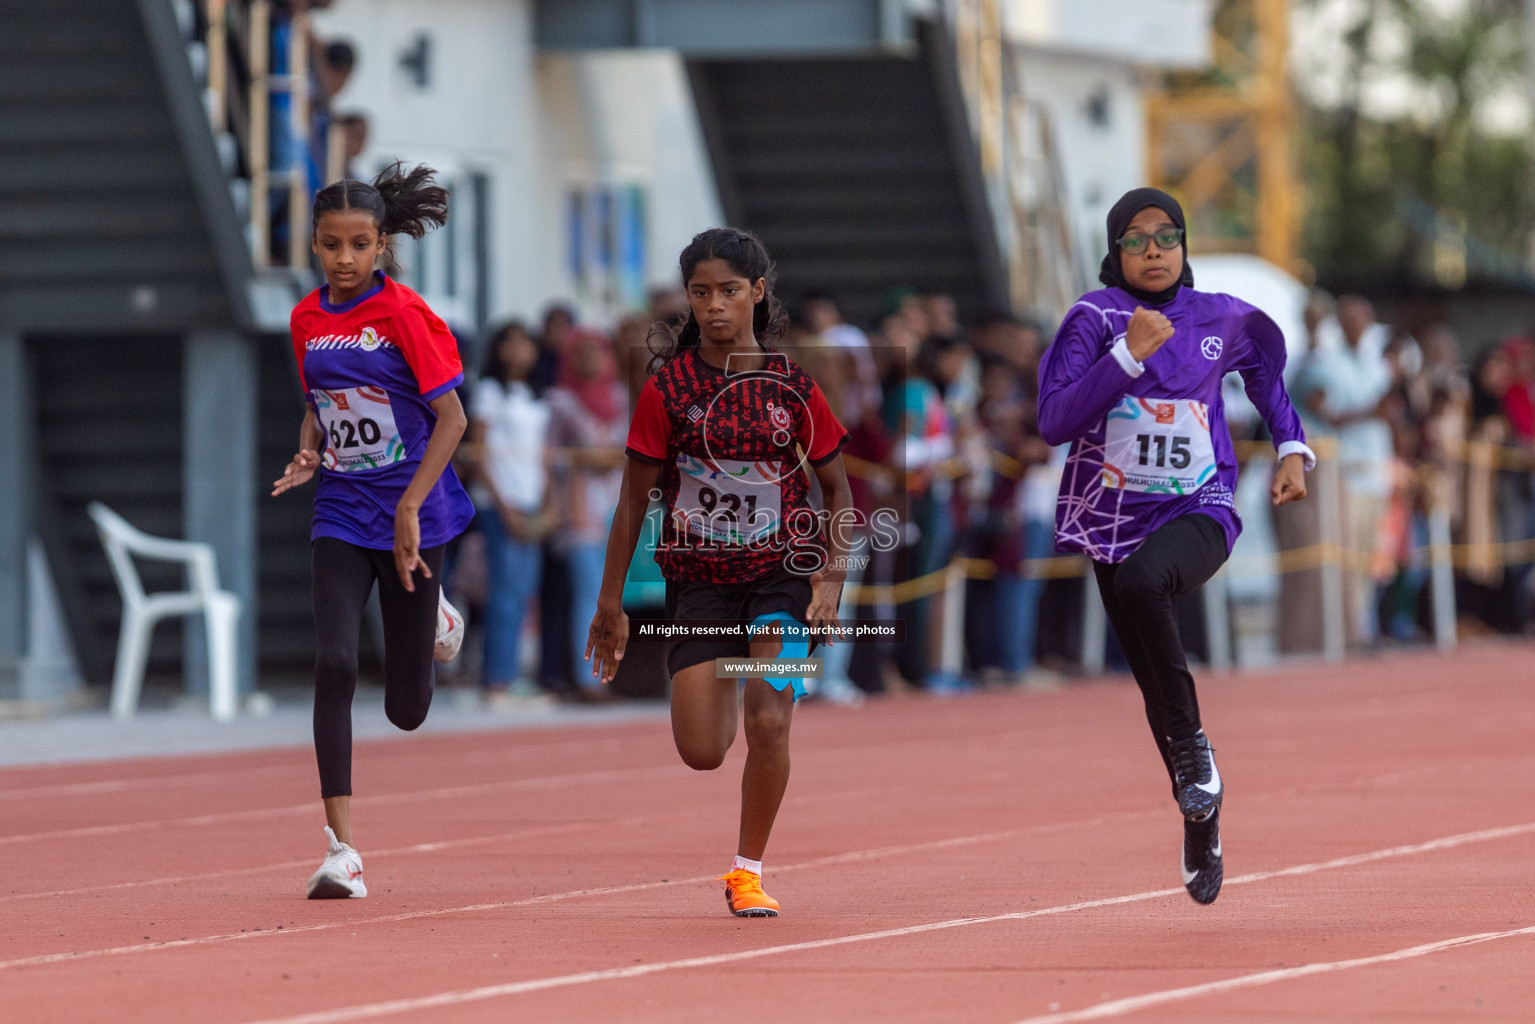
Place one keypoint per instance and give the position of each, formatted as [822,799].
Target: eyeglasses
[1167,238]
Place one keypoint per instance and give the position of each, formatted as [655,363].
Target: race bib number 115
[360,432]
[1158,446]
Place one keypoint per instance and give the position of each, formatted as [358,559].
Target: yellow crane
[1221,140]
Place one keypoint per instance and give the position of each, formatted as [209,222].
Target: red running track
[998,858]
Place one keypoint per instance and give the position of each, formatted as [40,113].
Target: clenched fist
[1148,331]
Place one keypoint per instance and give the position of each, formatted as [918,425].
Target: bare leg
[704,727]
[703,716]
[769,713]
[338,815]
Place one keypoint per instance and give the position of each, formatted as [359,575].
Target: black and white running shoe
[1196,779]
[1202,867]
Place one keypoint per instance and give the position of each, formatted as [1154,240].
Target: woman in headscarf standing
[589,424]
[1133,383]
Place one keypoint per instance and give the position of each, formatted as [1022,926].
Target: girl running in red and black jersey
[378,370]
[722,435]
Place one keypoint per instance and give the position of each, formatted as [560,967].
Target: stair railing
[1047,273]
[240,83]
[1020,162]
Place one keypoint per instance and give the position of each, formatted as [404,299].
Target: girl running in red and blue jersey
[1133,381]
[378,369]
[722,435]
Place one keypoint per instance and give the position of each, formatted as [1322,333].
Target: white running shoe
[340,876]
[450,630]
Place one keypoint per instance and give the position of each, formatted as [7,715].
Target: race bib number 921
[725,501]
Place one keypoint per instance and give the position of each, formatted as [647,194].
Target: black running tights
[344,575]
[1138,596]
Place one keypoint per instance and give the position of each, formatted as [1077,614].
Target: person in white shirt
[861,396]
[509,424]
[1346,382]
[588,428]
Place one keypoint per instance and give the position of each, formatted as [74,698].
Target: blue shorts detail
[796,644]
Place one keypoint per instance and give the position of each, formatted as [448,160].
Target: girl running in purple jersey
[378,369]
[1133,382]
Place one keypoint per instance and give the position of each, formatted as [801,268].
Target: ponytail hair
[744,254]
[402,202]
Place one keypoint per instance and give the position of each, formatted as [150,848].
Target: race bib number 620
[360,431]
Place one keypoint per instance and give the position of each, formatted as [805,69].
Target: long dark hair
[402,202]
[744,254]
[495,367]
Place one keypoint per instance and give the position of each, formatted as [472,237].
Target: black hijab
[1124,211]
[1484,404]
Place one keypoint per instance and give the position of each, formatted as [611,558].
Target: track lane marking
[456,758]
[1371,781]
[454,998]
[450,844]
[838,858]
[495,991]
[471,789]
[308,862]
[1119,1007]
[310,806]
[56,790]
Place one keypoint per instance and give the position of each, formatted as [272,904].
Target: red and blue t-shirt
[370,369]
[732,450]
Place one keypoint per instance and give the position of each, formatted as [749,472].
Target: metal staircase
[114,210]
[124,251]
[858,173]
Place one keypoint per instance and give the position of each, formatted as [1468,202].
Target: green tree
[1385,192]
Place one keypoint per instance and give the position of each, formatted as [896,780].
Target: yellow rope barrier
[1312,556]
[1470,453]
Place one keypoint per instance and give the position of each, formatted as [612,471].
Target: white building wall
[477,113]
[538,126]
[624,118]
[1089,62]
[1168,33]
[1098,118]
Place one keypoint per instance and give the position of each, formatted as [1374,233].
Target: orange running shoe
[743,892]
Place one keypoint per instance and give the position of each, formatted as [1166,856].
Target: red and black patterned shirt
[732,450]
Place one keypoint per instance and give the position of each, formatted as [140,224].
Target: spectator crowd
[1417,433]
[942,422]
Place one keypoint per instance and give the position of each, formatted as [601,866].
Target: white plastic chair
[141,611]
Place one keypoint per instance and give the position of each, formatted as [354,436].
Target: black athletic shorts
[735,602]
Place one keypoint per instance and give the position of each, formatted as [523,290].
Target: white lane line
[474,995]
[1446,843]
[1119,1007]
[672,769]
[452,844]
[401,1006]
[64,789]
[403,758]
[311,806]
[840,858]
[454,998]
[291,865]
[455,758]
[819,862]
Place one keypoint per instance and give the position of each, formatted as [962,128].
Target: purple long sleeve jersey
[1149,441]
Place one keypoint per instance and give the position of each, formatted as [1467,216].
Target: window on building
[606,241]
